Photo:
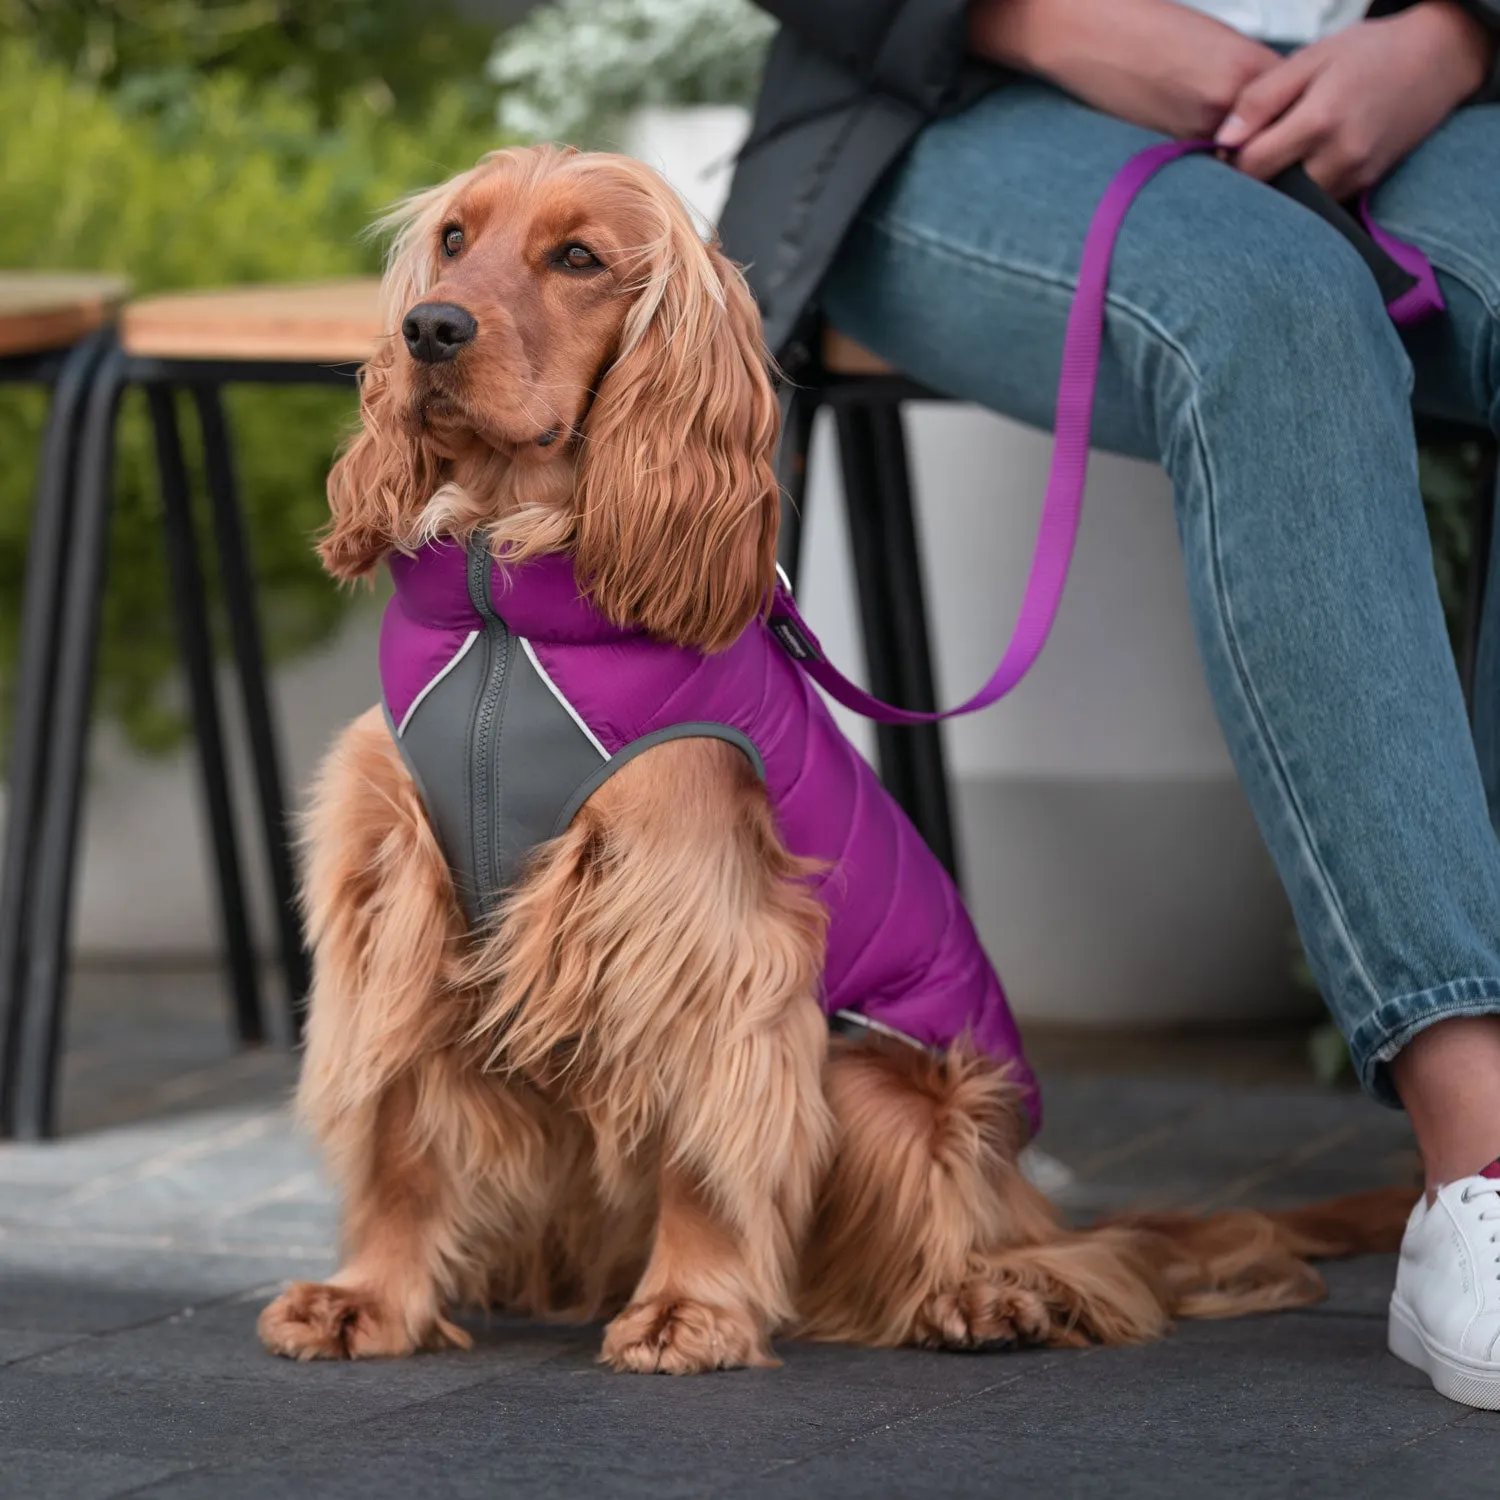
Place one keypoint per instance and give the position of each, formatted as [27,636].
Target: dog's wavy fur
[621,1098]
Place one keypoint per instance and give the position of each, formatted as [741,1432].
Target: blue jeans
[1247,350]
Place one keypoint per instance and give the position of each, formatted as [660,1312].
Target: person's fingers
[1266,97]
[1297,135]
[1331,173]
[1344,165]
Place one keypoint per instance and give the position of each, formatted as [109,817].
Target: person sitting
[920,176]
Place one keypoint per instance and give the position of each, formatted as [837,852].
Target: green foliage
[1450,477]
[1328,1055]
[395,54]
[233,184]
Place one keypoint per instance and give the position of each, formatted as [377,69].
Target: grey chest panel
[496,754]
[500,758]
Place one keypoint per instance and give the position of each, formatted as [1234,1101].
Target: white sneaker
[1445,1311]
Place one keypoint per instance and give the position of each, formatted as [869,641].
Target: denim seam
[1142,321]
[1280,777]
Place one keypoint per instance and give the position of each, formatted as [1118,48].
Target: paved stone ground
[136,1252]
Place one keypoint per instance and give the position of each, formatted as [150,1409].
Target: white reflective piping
[453,661]
[883,1029]
[556,692]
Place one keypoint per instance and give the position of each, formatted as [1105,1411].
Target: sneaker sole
[1452,1376]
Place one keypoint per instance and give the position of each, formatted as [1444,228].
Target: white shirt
[1283,20]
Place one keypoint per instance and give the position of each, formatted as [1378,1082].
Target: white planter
[693,147]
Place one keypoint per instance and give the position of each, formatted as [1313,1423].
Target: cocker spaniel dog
[635,996]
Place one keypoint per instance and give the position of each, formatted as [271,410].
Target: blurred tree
[1450,479]
[396,54]
[232,184]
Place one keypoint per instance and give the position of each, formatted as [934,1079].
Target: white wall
[1118,690]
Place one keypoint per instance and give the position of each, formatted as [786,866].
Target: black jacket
[848,85]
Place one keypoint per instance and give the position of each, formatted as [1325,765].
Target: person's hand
[1152,62]
[1351,106]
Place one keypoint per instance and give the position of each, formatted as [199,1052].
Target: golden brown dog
[622,1097]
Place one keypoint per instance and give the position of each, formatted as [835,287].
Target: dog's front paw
[982,1312]
[677,1336]
[312,1321]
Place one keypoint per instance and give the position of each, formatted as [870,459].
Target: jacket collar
[540,599]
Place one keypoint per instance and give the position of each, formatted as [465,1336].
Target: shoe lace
[1491,1213]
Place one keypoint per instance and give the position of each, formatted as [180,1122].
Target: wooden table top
[332,322]
[41,310]
[844,357]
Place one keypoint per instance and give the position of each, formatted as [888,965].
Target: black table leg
[901,555]
[237,571]
[34,1078]
[191,607]
[862,508]
[27,764]
[887,571]
[799,406]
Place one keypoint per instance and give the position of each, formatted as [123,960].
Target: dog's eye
[453,240]
[577,258]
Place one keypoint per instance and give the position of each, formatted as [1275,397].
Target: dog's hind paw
[313,1321]
[677,1336]
[982,1312]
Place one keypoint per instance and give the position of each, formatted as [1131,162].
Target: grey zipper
[486,733]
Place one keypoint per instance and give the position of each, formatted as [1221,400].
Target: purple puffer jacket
[512,699]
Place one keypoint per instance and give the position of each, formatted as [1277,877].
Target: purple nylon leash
[1057,530]
[1422,301]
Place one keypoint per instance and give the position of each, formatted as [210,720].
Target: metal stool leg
[46,559]
[34,1090]
[799,405]
[887,568]
[238,575]
[901,555]
[184,562]
[862,503]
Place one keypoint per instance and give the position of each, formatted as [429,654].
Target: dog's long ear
[384,476]
[677,502]
[379,484]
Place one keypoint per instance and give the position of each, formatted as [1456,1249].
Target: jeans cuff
[1378,1038]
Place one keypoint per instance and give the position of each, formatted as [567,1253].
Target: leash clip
[793,639]
[788,626]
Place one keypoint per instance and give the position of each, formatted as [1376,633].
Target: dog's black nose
[436,331]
